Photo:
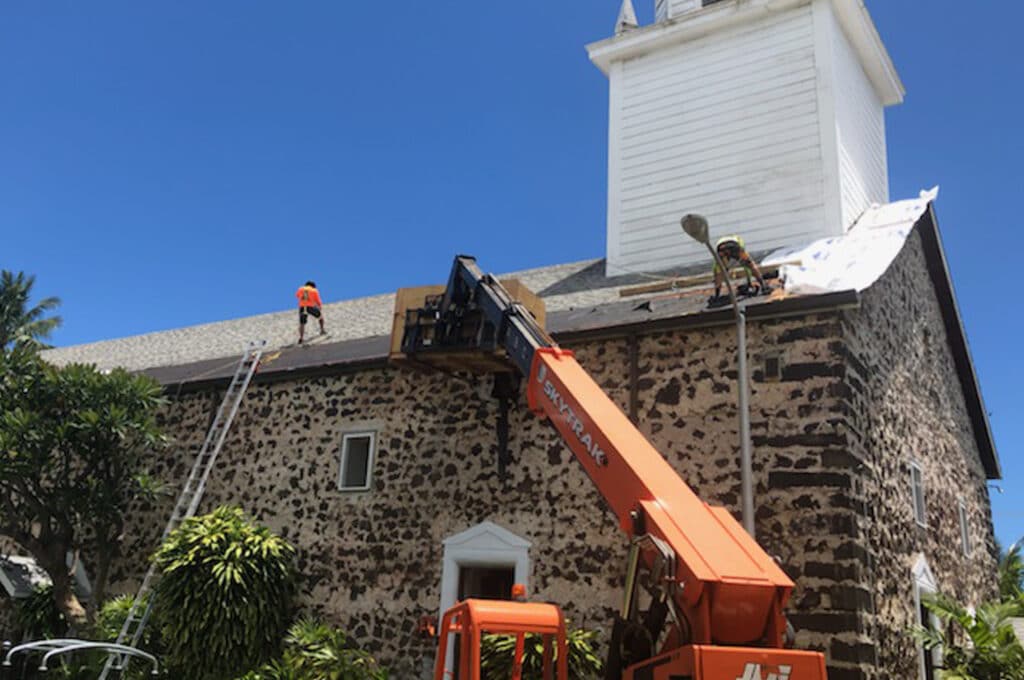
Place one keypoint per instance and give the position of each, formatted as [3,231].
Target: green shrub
[225,596]
[497,652]
[315,651]
[109,621]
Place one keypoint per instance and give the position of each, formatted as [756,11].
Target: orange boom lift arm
[702,599]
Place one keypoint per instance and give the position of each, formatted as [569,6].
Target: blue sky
[166,164]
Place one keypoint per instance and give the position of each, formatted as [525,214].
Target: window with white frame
[917,491]
[965,529]
[357,453]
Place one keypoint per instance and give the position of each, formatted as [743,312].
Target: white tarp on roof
[856,259]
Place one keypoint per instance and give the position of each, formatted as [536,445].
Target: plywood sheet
[415,298]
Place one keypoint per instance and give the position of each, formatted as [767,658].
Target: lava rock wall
[855,396]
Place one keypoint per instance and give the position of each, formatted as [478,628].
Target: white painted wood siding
[660,10]
[666,9]
[860,131]
[726,125]
[678,7]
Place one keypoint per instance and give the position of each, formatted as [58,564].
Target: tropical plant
[225,596]
[498,651]
[72,440]
[316,651]
[978,646]
[1011,573]
[111,618]
[21,325]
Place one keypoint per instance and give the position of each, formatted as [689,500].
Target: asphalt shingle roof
[563,287]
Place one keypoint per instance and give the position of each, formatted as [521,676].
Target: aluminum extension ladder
[188,500]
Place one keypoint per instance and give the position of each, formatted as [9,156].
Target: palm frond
[21,324]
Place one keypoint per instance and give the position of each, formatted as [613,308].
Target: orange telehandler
[702,600]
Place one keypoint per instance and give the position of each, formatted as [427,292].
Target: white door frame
[484,545]
[924,584]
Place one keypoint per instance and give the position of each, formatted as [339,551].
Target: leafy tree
[991,652]
[71,442]
[315,651]
[21,325]
[225,595]
[498,651]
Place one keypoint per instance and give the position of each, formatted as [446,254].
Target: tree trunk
[66,600]
[105,554]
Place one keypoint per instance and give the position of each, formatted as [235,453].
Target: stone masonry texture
[861,393]
[905,407]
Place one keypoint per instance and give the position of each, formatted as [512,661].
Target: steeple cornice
[852,14]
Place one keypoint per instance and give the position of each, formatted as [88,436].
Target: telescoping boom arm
[719,588]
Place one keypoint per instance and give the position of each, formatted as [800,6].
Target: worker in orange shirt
[309,304]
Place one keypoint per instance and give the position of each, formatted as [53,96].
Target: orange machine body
[717,599]
[730,663]
[730,591]
[468,620]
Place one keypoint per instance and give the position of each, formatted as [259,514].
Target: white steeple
[766,116]
[627,18]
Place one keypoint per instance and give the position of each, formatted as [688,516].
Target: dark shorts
[311,311]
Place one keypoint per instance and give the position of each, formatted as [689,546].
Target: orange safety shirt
[308,297]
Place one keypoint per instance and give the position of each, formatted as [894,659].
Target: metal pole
[743,384]
[746,458]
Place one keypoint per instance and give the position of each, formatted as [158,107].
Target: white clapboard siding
[766,116]
[677,7]
[860,131]
[726,125]
[660,10]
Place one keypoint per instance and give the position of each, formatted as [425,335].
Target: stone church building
[872,450]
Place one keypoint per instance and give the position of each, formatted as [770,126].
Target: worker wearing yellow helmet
[732,252]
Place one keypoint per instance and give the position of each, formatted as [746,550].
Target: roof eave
[860,29]
[938,269]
